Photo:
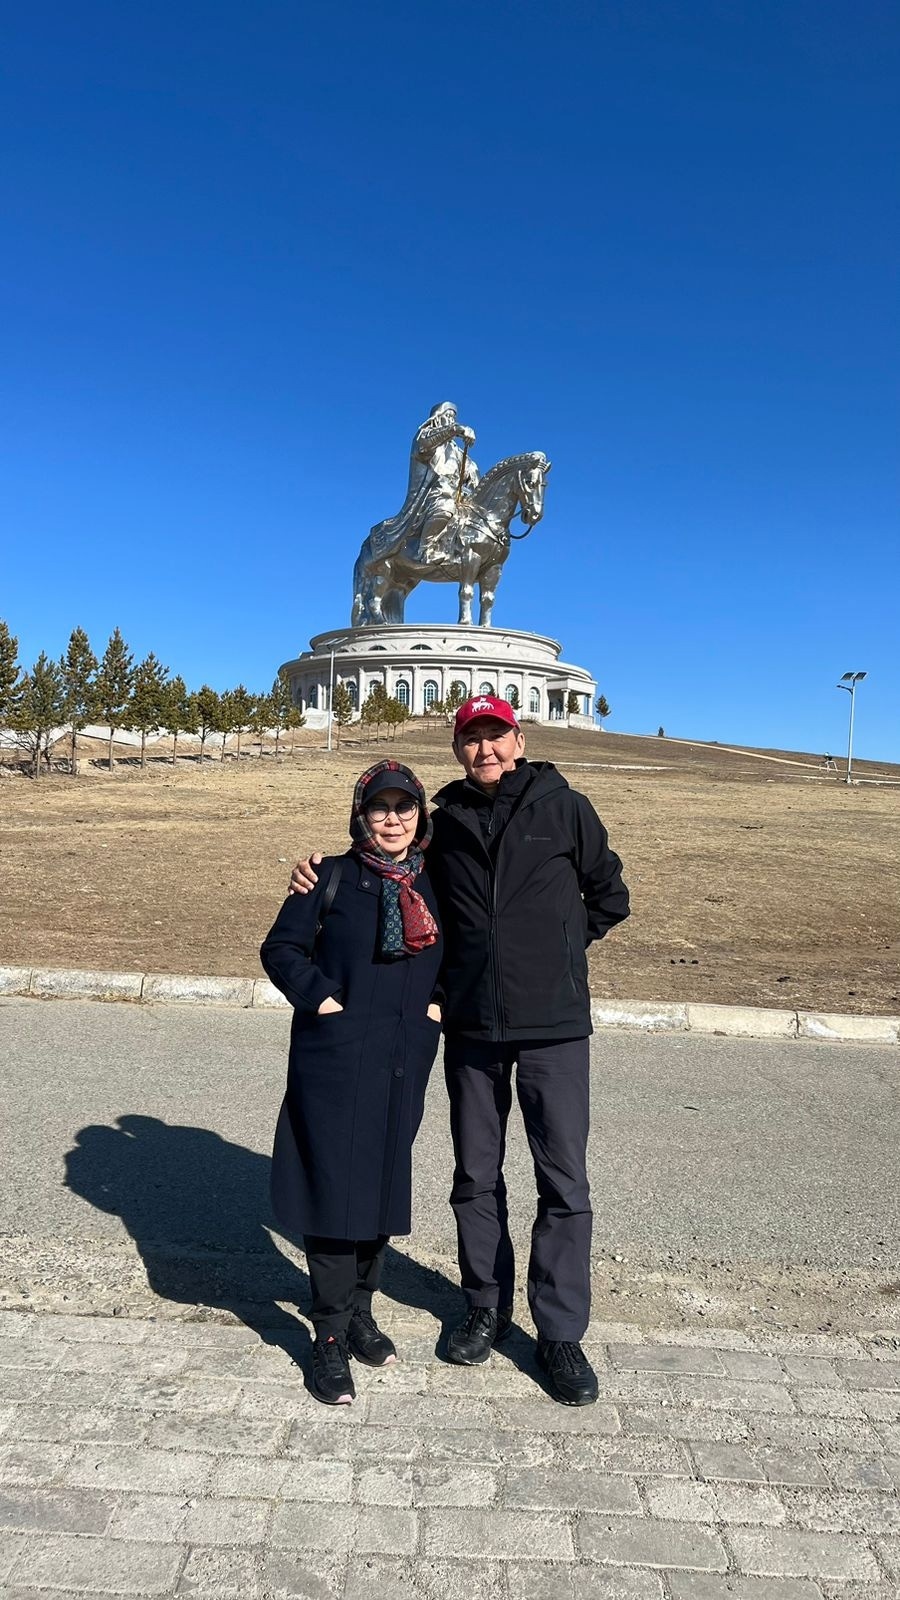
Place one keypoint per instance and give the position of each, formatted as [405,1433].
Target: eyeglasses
[404,809]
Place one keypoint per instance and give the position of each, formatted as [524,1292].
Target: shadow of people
[197,1207]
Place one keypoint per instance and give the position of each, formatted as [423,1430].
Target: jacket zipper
[497,980]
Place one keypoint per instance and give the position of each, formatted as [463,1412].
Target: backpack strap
[331,889]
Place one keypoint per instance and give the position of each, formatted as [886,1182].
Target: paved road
[155,1123]
[172,1451]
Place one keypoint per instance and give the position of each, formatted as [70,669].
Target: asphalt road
[119,1116]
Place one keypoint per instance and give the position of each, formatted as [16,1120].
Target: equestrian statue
[453,526]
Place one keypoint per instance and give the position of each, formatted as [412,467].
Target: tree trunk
[143,747]
[277,737]
[109,760]
[174,746]
[73,764]
[239,744]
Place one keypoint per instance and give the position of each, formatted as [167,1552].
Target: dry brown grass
[751,880]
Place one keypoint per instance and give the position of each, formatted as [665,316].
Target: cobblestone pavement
[152,1457]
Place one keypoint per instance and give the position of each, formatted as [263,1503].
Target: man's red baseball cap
[484,705]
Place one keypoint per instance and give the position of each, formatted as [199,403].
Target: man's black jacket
[519,913]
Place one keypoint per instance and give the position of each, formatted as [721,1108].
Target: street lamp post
[849,680]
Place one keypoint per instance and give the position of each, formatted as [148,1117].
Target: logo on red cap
[484,705]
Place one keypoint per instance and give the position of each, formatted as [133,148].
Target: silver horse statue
[469,548]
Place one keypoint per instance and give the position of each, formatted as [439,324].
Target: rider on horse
[439,470]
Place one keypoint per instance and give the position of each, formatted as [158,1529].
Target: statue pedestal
[418,663]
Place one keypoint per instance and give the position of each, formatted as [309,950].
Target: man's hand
[329,1006]
[303,879]
[434,1012]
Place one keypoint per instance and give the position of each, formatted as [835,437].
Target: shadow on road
[197,1208]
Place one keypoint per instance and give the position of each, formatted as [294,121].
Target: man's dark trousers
[552,1085]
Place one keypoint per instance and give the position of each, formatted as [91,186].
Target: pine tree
[514,697]
[602,708]
[148,703]
[456,695]
[342,709]
[573,704]
[394,714]
[262,718]
[243,704]
[180,712]
[282,704]
[115,677]
[373,712]
[226,717]
[206,709]
[10,679]
[379,697]
[38,710]
[294,719]
[78,668]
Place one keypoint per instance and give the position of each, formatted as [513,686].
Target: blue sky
[245,249]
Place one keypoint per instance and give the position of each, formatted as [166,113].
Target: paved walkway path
[186,1458]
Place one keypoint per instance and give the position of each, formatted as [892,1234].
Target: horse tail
[358,608]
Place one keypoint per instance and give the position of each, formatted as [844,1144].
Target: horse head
[531,481]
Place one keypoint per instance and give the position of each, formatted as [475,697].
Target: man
[525,881]
[436,476]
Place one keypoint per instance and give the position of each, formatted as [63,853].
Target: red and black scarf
[406,925]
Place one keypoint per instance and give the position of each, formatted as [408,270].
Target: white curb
[665,1017]
[161,988]
[73,985]
[866,1030]
[646,1016]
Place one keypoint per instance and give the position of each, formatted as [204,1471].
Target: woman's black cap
[390,780]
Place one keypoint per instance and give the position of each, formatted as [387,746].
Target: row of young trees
[78,690]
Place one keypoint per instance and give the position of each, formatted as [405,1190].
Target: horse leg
[488,580]
[392,605]
[380,586]
[466,591]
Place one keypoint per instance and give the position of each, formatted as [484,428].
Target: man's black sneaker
[472,1342]
[572,1379]
[331,1381]
[367,1342]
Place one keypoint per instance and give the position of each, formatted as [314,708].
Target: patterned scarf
[406,925]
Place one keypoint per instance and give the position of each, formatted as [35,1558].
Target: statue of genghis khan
[453,526]
[441,475]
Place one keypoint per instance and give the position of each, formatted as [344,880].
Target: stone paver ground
[173,1458]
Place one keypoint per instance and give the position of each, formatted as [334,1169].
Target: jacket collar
[543,779]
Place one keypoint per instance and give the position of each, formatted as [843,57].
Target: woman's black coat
[342,1163]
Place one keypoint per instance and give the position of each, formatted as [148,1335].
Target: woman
[361,974]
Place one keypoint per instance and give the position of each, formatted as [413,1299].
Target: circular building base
[419,664]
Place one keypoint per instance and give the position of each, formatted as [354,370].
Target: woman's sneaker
[331,1381]
[367,1342]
